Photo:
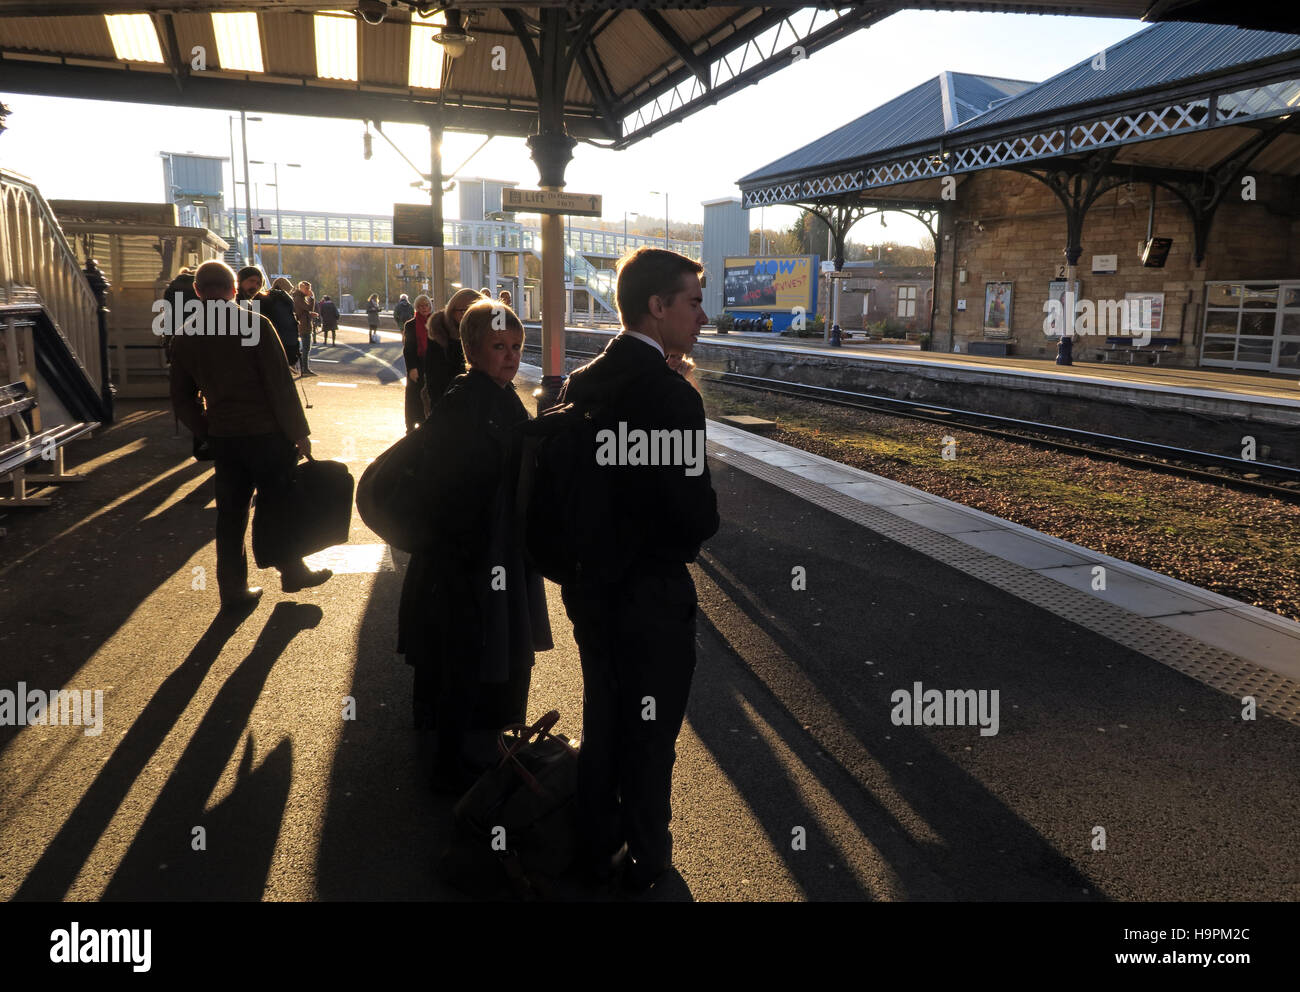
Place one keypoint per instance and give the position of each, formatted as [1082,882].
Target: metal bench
[1125,346]
[16,405]
[991,349]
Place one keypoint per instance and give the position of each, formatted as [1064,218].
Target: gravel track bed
[1232,543]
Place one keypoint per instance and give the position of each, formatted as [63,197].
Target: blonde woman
[470,637]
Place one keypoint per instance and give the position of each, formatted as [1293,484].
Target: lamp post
[279,227]
[655,192]
[625,216]
[248,206]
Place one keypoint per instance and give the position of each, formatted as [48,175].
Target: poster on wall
[1053,327]
[997,309]
[772,283]
[1138,314]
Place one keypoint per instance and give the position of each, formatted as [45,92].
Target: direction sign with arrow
[550,201]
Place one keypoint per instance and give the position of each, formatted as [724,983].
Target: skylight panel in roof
[426,54]
[239,42]
[336,45]
[134,37]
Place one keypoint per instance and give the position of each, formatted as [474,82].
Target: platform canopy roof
[618,71]
[1172,101]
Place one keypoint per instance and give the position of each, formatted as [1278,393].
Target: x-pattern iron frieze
[1248,103]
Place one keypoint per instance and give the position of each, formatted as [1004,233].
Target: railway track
[1283,482]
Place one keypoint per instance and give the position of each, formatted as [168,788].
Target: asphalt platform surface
[792,780]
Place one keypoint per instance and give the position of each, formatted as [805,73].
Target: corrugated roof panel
[916,115]
[289,45]
[384,52]
[1197,150]
[977,94]
[195,30]
[627,47]
[83,36]
[1156,55]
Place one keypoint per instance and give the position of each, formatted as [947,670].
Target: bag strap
[524,734]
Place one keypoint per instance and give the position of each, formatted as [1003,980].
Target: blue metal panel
[1154,56]
[914,116]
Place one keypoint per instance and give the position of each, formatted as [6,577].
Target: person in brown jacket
[251,418]
[303,309]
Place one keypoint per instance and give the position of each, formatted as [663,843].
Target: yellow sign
[769,283]
[550,201]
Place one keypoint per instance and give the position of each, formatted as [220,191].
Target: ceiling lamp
[454,39]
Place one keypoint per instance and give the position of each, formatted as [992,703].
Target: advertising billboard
[776,283]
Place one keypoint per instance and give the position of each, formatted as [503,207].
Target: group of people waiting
[473,611]
[431,347]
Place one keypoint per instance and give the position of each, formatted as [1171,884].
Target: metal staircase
[49,314]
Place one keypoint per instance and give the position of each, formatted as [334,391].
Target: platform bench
[1125,346]
[991,349]
[16,406]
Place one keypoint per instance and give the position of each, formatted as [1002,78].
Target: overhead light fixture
[368,144]
[454,39]
[372,11]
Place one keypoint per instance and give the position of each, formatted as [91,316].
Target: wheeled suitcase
[316,515]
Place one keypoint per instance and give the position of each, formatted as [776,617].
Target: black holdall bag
[518,822]
[317,514]
[389,495]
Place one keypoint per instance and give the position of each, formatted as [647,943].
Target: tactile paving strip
[1219,669]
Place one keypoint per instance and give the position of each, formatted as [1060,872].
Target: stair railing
[38,265]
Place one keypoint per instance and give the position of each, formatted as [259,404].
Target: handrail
[34,255]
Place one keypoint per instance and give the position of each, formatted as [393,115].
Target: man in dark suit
[636,636]
[251,417]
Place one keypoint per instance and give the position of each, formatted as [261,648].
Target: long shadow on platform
[81,589]
[240,832]
[819,652]
[57,869]
[381,831]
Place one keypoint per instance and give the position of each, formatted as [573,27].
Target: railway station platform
[1115,767]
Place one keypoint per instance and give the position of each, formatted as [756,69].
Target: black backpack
[566,502]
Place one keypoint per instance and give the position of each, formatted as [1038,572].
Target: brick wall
[1023,241]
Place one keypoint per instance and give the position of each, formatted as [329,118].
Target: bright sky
[84,149]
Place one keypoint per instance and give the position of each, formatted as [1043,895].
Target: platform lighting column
[655,192]
[248,206]
[438,286]
[234,184]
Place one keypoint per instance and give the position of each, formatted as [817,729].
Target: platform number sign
[1061,271]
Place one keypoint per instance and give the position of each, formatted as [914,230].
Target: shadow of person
[59,864]
[185,852]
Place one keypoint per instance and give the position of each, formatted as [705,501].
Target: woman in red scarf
[415,345]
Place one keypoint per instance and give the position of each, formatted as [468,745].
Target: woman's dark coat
[450,612]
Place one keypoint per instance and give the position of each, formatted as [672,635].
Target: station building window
[907,301]
[1252,325]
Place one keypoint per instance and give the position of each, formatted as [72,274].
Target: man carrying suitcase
[250,415]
